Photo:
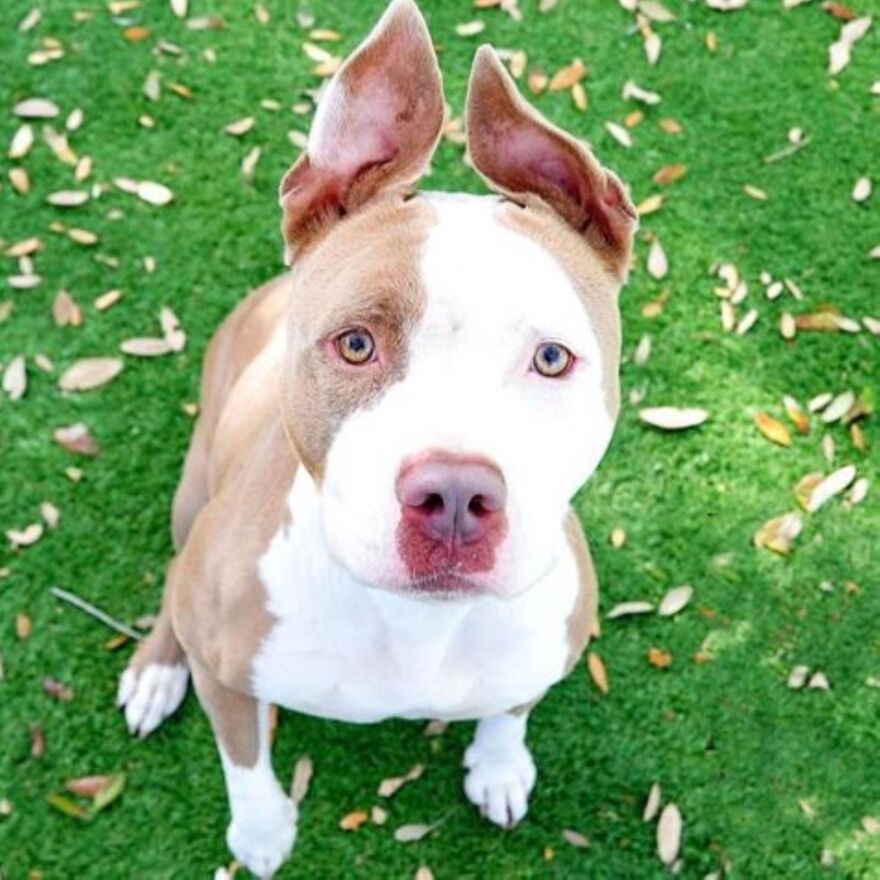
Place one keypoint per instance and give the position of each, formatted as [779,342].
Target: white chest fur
[343,650]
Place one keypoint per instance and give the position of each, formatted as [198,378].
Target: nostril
[433,503]
[478,507]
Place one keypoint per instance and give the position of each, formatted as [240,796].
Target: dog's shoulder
[583,622]
[217,600]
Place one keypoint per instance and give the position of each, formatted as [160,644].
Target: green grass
[728,741]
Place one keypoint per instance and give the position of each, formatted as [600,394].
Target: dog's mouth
[445,584]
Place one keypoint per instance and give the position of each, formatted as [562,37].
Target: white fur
[493,295]
[263,826]
[150,696]
[501,772]
[346,650]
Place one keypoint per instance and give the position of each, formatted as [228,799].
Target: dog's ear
[375,129]
[524,156]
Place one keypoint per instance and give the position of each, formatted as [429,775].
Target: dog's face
[453,359]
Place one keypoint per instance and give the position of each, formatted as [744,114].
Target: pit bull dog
[373,520]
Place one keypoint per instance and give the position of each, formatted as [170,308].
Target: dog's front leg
[263,825]
[500,770]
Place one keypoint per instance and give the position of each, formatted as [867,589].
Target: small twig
[785,152]
[95,612]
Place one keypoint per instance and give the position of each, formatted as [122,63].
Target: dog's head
[452,359]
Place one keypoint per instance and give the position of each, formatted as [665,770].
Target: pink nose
[452,500]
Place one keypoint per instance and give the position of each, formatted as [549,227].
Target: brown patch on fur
[233,717]
[368,277]
[584,616]
[526,157]
[597,288]
[216,598]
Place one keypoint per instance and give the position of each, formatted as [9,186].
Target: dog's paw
[263,845]
[151,694]
[499,782]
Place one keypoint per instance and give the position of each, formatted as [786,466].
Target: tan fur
[584,619]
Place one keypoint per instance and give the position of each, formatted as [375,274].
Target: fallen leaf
[629,609]
[796,414]
[840,51]
[652,804]
[25,537]
[353,821]
[575,838]
[77,438]
[779,533]
[412,833]
[669,829]
[57,689]
[838,407]
[70,198]
[773,429]
[36,108]
[302,777]
[673,418]
[598,672]
[240,126]
[670,174]
[567,76]
[389,787]
[153,193]
[862,190]
[658,265]
[146,346]
[65,311]
[21,143]
[797,678]
[675,600]
[15,378]
[620,134]
[658,658]
[832,485]
[90,373]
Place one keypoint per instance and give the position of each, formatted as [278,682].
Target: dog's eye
[355,346]
[552,360]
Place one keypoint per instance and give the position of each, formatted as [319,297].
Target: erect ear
[523,155]
[375,129]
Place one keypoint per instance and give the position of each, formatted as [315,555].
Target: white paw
[499,782]
[151,695]
[261,844]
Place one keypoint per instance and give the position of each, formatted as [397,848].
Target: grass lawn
[766,776]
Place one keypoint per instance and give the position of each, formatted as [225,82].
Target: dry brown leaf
[137,33]
[598,672]
[470,28]
[302,777]
[618,538]
[108,299]
[670,174]
[675,600]
[249,163]
[412,833]
[69,198]
[88,786]
[629,609]
[673,418]
[773,429]
[659,659]
[240,126]
[36,108]
[352,821]
[146,346]
[153,193]
[797,678]
[180,7]
[838,407]
[796,414]
[862,189]
[575,838]
[787,326]
[650,205]
[658,264]
[755,192]
[90,373]
[779,533]
[832,485]
[21,143]
[726,5]
[633,92]
[24,626]
[840,51]
[20,181]
[671,126]
[15,378]
[859,491]
[567,76]
[77,438]
[25,537]
[669,829]
[652,804]
[389,787]
[65,311]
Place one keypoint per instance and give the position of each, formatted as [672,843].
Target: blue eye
[355,346]
[552,360]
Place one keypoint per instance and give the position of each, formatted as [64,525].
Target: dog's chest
[342,650]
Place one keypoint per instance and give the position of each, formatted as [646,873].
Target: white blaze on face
[493,295]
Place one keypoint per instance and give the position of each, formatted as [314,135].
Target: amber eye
[552,359]
[355,346]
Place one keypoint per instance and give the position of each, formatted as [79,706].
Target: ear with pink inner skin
[375,129]
[522,155]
